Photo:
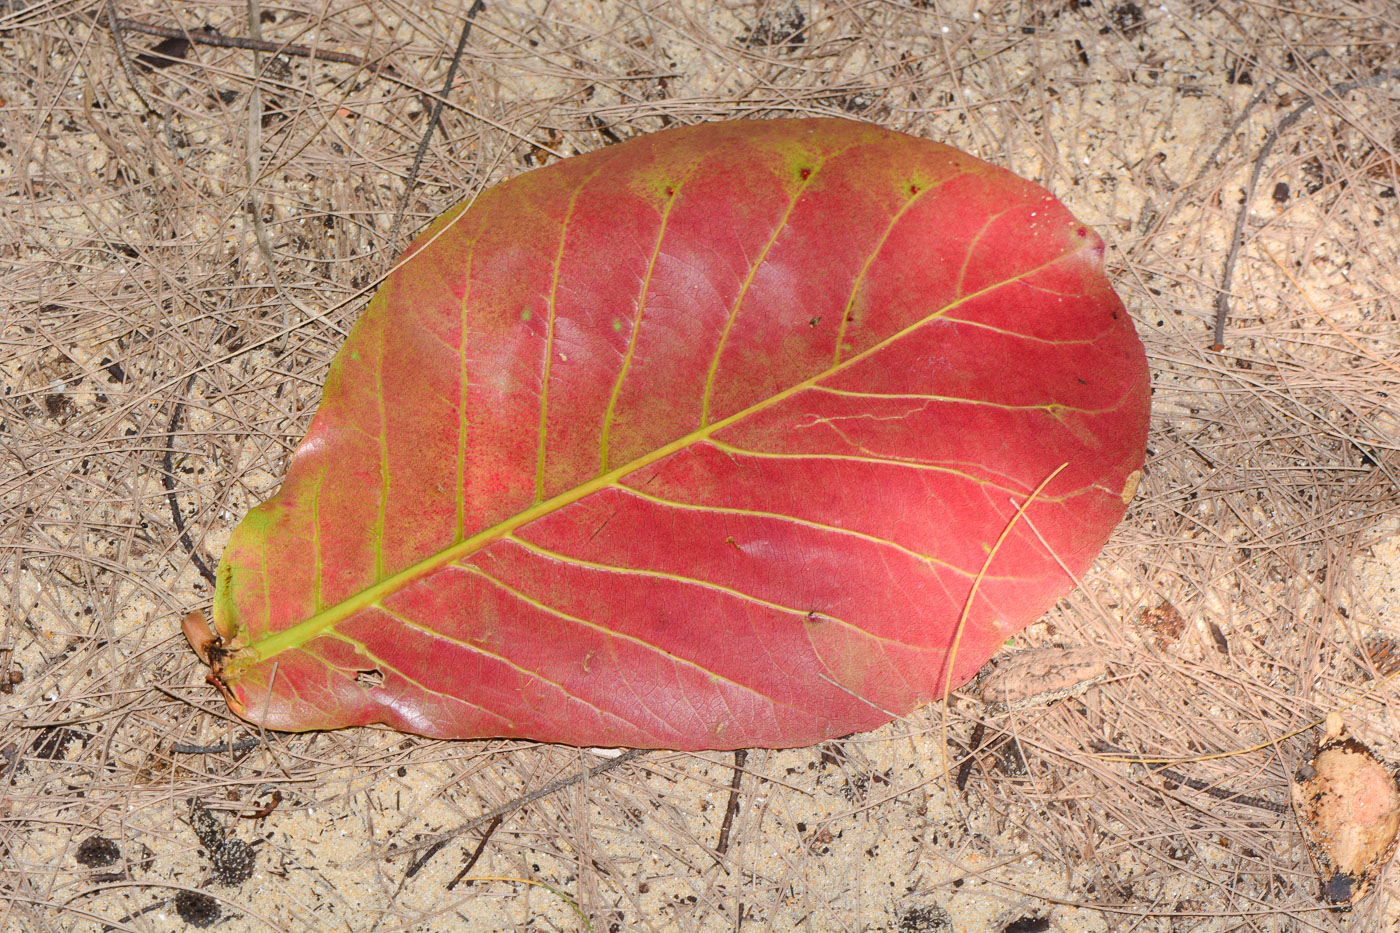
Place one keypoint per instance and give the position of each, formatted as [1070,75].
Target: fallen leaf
[697,441]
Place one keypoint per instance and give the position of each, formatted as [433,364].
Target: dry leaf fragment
[1348,806]
[1042,674]
[198,633]
[1383,653]
[1164,622]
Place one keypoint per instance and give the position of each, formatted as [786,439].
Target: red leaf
[698,441]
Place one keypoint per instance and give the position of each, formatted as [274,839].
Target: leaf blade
[760,395]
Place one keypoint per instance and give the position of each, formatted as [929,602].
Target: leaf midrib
[297,635]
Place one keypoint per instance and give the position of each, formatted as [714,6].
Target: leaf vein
[748,281]
[381,664]
[885,461]
[603,452]
[536,675]
[701,584]
[673,659]
[295,635]
[541,442]
[819,526]
[874,254]
[1053,408]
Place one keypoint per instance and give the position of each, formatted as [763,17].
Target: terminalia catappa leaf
[718,437]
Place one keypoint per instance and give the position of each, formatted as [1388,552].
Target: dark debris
[1126,18]
[196,909]
[929,918]
[233,862]
[233,859]
[784,29]
[98,852]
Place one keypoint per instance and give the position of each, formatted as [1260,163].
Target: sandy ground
[187,238]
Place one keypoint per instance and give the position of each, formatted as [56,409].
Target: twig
[168,480]
[255,203]
[1222,299]
[242,745]
[434,844]
[417,864]
[114,24]
[979,731]
[210,36]
[1211,161]
[741,755]
[264,811]
[121,924]
[1254,101]
[1259,803]
[436,116]
[480,847]
[1205,787]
